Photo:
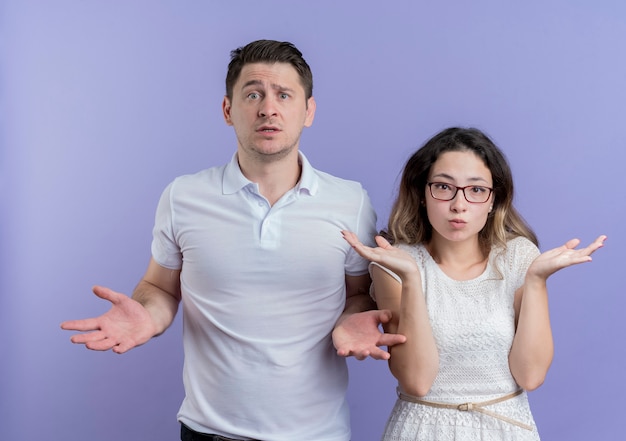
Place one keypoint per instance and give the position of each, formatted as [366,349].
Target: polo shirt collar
[234,180]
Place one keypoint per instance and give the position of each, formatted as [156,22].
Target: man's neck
[274,178]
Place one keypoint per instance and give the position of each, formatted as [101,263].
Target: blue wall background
[103,103]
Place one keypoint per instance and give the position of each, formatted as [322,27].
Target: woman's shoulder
[518,253]
[521,244]
[417,250]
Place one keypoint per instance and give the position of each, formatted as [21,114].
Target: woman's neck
[464,260]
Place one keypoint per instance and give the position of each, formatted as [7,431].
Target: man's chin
[273,154]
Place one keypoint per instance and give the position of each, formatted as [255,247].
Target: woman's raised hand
[561,257]
[397,260]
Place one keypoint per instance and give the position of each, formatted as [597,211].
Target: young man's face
[268,110]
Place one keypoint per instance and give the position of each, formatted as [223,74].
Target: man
[254,250]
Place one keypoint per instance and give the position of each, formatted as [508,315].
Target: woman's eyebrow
[447,176]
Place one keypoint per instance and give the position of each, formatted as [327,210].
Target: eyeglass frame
[430,188]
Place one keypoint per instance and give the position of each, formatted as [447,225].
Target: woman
[466,285]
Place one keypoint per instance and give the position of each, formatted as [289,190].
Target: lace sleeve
[521,253]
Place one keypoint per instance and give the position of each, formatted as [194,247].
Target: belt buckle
[465,407]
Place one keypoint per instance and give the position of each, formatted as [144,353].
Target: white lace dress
[473,325]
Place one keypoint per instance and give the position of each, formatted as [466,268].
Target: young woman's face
[459,219]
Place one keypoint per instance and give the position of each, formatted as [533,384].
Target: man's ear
[310,112]
[226,110]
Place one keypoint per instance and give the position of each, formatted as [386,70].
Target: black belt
[187,434]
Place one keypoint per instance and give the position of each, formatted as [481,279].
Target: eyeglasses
[446,192]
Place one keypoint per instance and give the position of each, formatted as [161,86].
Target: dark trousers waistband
[187,434]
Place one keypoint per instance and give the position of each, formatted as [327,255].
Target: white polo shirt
[262,288]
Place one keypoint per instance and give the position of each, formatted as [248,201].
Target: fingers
[353,240]
[588,250]
[359,355]
[384,315]
[596,244]
[91,324]
[380,354]
[106,293]
[593,247]
[391,339]
[87,338]
[98,341]
[343,352]
[375,353]
[382,242]
[572,243]
[83,325]
[102,345]
[362,355]
[122,347]
[355,243]
[350,237]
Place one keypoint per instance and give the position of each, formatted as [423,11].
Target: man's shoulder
[311,174]
[337,182]
[197,183]
[207,174]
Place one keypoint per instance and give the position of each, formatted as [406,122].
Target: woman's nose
[458,202]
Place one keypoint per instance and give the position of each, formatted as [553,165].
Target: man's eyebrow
[251,83]
[274,86]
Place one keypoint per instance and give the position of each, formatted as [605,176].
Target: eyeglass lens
[447,192]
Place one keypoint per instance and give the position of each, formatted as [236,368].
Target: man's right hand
[126,325]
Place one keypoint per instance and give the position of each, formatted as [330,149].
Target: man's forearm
[359,303]
[160,304]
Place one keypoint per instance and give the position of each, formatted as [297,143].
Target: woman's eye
[479,190]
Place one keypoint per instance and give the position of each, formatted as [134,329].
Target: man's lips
[268,129]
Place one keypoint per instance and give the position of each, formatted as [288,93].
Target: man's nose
[268,107]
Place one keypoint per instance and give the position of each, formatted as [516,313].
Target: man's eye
[253,96]
[283,96]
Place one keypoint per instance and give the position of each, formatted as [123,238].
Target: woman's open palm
[561,257]
[397,260]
